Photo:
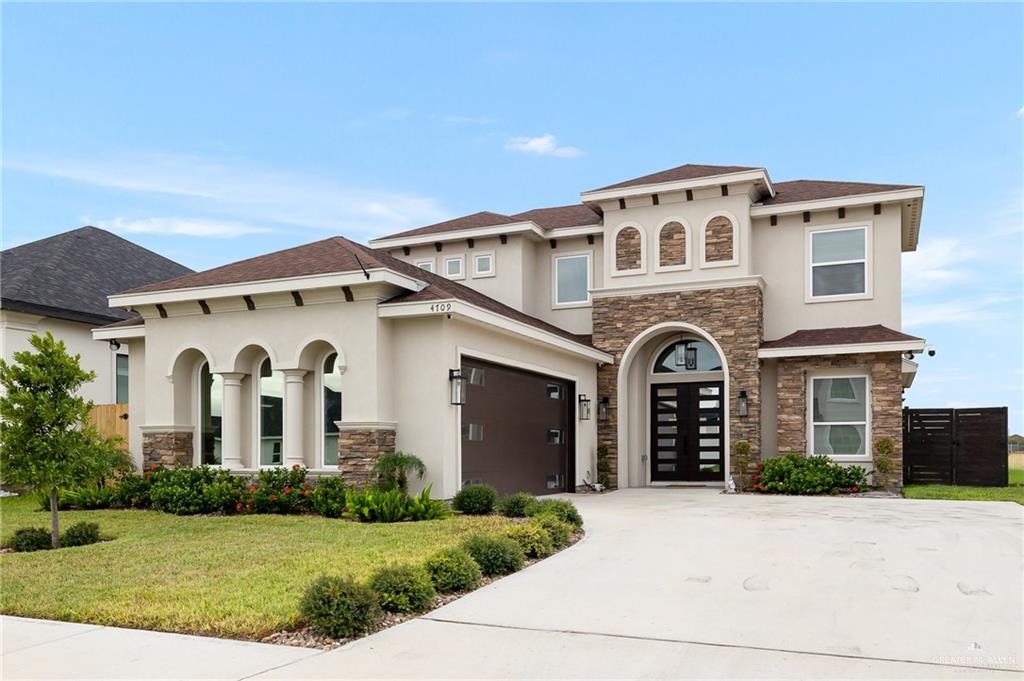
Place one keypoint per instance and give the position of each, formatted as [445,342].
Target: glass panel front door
[687,432]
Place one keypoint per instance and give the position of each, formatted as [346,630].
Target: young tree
[46,440]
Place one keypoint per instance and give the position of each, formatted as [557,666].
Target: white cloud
[936,263]
[1020,112]
[545,145]
[247,193]
[956,312]
[179,227]
[466,120]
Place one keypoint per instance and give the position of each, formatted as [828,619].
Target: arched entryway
[673,396]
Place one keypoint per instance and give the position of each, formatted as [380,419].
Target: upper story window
[672,246]
[839,264]
[427,265]
[719,242]
[571,275]
[455,268]
[629,250]
[839,416]
[483,265]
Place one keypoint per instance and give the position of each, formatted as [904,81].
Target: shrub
[742,456]
[796,474]
[30,539]
[192,490]
[515,505]
[453,570]
[132,491]
[377,505]
[884,463]
[532,538]
[403,588]
[280,490]
[560,508]
[340,607]
[559,530]
[81,534]
[422,507]
[328,497]
[494,555]
[393,469]
[475,499]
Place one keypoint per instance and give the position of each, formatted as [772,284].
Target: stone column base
[167,446]
[359,447]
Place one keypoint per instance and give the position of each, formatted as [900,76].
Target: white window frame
[704,264]
[868,293]
[461,259]
[477,274]
[868,440]
[613,261]
[687,251]
[428,261]
[257,410]
[321,426]
[555,305]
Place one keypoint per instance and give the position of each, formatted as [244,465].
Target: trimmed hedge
[80,534]
[495,555]
[403,588]
[559,530]
[453,570]
[340,607]
[533,539]
[797,474]
[475,499]
[515,505]
[560,508]
[29,539]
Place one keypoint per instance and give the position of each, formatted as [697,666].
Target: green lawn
[1015,492]
[234,576]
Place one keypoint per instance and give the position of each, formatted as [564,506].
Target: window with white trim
[427,265]
[483,265]
[454,268]
[839,263]
[839,416]
[572,279]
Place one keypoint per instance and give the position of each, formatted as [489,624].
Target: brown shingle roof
[575,215]
[482,219]
[131,321]
[338,254]
[689,171]
[796,191]
[846,335]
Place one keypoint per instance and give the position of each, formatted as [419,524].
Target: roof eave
[916,345]
[755,175]
[527,227]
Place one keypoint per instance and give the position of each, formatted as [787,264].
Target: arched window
[672,245]
[271,415]
[719,235]
[628,249]
[332,408]
[688,355]
[211,393]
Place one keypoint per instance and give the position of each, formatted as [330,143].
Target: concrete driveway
[683,584]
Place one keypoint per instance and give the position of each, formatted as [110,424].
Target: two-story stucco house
[665,317]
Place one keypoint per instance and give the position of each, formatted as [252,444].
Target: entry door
[687,432]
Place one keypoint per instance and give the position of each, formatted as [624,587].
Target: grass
[1014,492]
[231,576]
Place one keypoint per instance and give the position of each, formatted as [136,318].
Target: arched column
[231,421]
[293,410]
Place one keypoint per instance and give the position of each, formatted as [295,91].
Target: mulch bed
[308,638]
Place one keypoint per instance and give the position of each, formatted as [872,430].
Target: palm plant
[393,469]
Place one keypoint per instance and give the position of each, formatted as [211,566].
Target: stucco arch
[313,351]
[631,373]
[244,359]
[183,374]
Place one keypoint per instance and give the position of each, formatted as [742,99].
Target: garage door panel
[515,435]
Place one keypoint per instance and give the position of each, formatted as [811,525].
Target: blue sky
[211,133]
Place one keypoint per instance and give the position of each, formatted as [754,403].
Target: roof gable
[688,171]
[797,191]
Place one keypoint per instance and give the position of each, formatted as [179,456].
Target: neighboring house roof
[69,275]
[798,191]
[847,335]
[337,255]
[689,171]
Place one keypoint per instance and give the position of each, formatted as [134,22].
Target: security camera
[931,350]
[114,345]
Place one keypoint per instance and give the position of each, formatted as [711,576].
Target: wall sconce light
[686,356]
[115,345]
[602,408]
[584,408]
[458,386]
[741,409]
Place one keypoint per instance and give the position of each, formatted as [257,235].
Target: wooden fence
[955,446]
[111,419]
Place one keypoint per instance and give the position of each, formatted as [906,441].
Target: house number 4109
[441,307]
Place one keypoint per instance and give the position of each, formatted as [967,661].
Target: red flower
[296,467]
[855,489]
[287,490]
[305,492]
[273,497]
[238,506]
[252,490]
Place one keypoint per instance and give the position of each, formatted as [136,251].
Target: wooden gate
[955,446]
[111,419]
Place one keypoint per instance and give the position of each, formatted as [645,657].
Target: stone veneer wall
[732,316]
[627,249]
[170,449]
[718,240]
[672,245]
[358,450]
[886,398]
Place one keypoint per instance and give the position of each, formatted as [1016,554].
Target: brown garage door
[517,429]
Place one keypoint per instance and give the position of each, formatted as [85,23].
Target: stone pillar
[359,446]
[293,441]
[169,446]
[231,422]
